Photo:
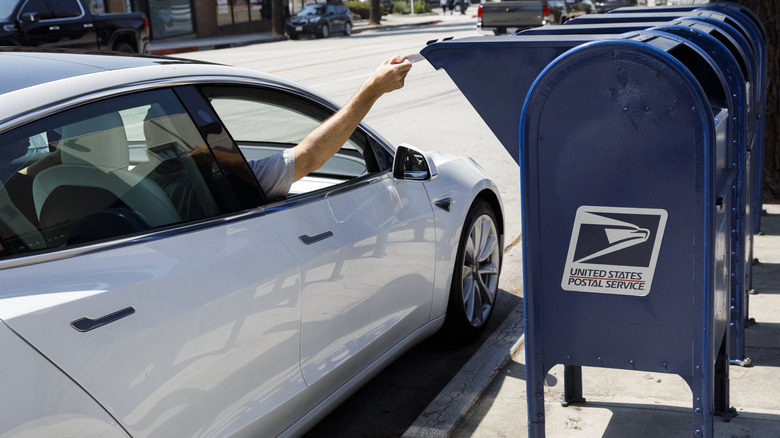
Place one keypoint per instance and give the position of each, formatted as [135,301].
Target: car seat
[94,175]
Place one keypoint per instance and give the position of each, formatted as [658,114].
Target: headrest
[100,141]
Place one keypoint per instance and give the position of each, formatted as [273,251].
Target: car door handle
[54,28]
[88,25]
[86,324]
[308,240]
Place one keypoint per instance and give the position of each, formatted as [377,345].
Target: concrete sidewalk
[488,399]
[388,22]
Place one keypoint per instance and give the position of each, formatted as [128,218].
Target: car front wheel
[475,277]
[348,29]
[324,32]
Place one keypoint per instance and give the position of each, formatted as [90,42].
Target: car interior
[111,169]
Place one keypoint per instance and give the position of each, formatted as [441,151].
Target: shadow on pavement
[389,403]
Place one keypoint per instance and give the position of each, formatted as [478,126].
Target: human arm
[325,140]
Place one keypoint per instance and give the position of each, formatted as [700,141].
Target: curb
[228,45]
[467,387]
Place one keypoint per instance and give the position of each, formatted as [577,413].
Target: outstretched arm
[324,141]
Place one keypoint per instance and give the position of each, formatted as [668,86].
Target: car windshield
[309,10]
[6,8]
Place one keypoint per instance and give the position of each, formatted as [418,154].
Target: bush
[401,8]
[361,9]
[422,7]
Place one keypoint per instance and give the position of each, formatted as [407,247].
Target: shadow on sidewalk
[765,278]
[639,420]
[763,344]
[770,224]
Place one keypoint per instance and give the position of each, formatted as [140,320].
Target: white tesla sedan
[150,289]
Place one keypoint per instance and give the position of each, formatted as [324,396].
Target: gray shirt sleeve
[275,174]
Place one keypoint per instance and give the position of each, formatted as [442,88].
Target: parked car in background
[320,19]
[500,16]
[150,289]
[458,5]
[68,23]
[608,5]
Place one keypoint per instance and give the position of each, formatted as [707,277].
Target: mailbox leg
[721,390]
[572,385]
[535,430]
[534,385]
[739,323]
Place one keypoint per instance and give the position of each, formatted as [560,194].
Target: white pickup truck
[499,16]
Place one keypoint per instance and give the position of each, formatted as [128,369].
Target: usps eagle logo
[614,250]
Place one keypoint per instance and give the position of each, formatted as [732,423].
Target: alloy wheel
[480,270]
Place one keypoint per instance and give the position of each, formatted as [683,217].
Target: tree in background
[277,17]
[376,12]
[769,14]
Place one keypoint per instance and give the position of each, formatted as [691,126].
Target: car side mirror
[412,164]
[29,18]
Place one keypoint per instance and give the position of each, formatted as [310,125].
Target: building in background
[181,19]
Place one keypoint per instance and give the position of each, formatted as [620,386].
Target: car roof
[22,68]
[35,80]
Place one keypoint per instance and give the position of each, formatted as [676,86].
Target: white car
[149,289]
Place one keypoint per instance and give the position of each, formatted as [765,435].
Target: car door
[363,241]
[335,20]
[62,23]
[175,309]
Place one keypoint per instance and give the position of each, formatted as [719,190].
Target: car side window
[37,6]
[264,122]
[112,168]
[66,8]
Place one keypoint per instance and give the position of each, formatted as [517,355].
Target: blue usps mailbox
[629,193]
[742,37]
[738,99]
[627,216]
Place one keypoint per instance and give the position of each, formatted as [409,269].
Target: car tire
[475,275]
[123,47]
[293,36]
[348,29]
[324,32]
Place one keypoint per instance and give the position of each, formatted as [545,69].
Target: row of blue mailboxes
[639,135]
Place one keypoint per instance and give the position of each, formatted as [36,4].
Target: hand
[390,75]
